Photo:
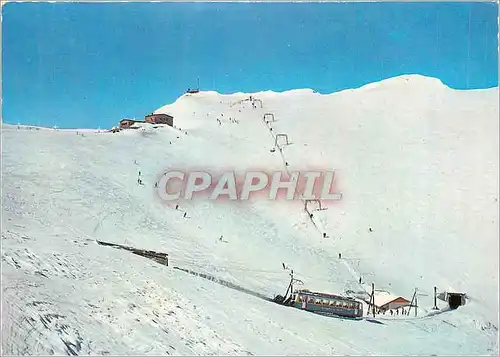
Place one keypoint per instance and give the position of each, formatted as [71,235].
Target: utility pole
[416,304]
[290,286]
[373,299]
[435,299]
[198,83]
[413,298]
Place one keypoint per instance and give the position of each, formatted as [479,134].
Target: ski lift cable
[240,268]
[225,263]
[221,269]
[226,268]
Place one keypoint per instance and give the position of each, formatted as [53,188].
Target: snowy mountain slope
[410,163]
[412,179]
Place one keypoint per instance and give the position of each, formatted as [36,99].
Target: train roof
[325,295]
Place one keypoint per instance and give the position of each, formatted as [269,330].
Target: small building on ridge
[159,119]
[128,123]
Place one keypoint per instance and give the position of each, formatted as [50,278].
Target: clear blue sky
[89,65]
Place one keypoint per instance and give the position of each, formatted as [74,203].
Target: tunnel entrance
[455,300]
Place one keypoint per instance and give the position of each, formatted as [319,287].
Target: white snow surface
[415,161]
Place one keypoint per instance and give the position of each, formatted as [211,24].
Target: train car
[327,304]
